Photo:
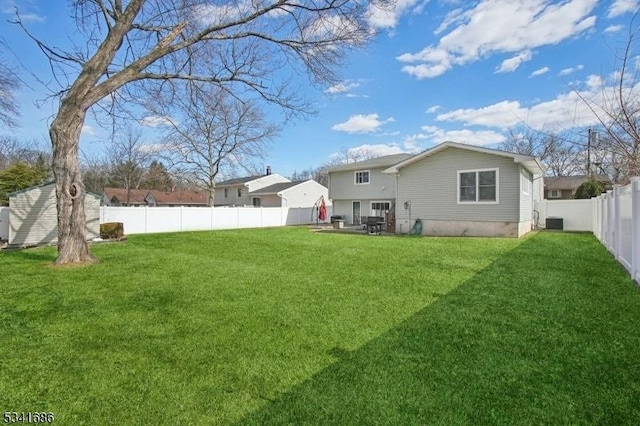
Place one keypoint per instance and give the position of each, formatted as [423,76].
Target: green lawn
[287,326]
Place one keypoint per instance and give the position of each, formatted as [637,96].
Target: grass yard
[286,326]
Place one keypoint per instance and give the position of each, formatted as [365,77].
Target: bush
[112,230]
[590,188]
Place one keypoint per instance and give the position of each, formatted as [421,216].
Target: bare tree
[217,135]
[617,109]
[560,155]
[96,172]
[129,157]
[131,49]
[13,150]
[9,82]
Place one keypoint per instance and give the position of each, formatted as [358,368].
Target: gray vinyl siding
[431,186]
[33,218]
[342,186]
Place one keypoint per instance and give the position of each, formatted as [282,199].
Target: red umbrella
[322,211]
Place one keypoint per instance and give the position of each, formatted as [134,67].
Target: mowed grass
[287,326]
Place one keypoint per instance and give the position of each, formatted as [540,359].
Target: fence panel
[577,215]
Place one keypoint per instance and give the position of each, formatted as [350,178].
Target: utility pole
[589,154]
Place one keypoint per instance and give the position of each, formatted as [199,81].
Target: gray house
[361,189]
[289,194]
[33,217]
[458,189]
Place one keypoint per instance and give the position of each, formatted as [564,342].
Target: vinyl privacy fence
[616,223]
[143,220]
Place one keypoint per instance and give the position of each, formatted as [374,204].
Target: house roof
[277,187]
[384,161]
[238,181]
[571,182]
[179,197]
[136,196]
[530,163]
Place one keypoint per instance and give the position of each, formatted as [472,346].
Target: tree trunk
[65,138]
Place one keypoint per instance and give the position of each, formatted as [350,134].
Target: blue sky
[466,71]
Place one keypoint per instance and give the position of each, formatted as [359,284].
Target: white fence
[143,220]
[577,215]
[616,224]
[4,223]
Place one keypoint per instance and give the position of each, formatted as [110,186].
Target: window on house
[226,193]
[362,177]
[555,193]
[380,208]
[239,192]
[257,202]
[478,186]
[525,183]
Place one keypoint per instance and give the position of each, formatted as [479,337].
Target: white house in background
[361,189]
[236,192]
[290,194]
[467,190]
[33,218]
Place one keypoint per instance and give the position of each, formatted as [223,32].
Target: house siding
[381,186]
[33,218]
[305,194]
[245,199]
[431,186]
[526,195]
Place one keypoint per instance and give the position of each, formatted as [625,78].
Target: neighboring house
[361,189]
[153,198]
[290,194]
[118,197]
[564,187]
[33,217]
[467,190]
[237,192]
[176,198]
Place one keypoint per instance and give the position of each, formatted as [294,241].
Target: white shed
[33,218]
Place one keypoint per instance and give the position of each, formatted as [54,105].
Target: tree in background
[130,51]
[20,176]
[9,82]
[157,177]
[217,135]
[129,157]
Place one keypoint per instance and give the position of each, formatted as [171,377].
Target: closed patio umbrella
[322,210]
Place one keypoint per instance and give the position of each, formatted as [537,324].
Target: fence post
[617,243]
[146,219]
[611,214]
[635,227]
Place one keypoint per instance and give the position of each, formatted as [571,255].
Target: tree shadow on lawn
[547,334]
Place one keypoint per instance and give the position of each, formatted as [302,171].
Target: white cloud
[361,123]
[620,7]
[88,131]
[472,137]
[571,70]
[512,64]
[342,87]
[154,121]
[614,28]
[433,109]
[540,71]
[567,110]
[387,17]
[480,32]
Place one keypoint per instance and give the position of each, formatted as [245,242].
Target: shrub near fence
[143,220]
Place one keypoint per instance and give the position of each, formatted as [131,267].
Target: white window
[380,208]
[362,177]
[525,183]
[478,186]
[257,202]
[555,193]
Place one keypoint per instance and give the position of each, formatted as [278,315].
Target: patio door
[356,212]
